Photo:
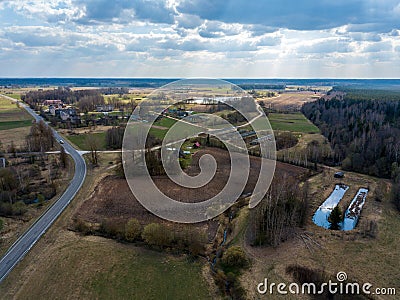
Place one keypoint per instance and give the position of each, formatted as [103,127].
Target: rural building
[66,111]
[339,175]
[64,115]
[196,118]
[53,108]
[104,108]
[246,134]
[52,102]
[267,138]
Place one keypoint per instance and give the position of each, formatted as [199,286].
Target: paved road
[18,250]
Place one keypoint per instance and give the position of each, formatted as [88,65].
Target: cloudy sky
[200,38]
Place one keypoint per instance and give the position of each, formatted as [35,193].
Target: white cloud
[199,38]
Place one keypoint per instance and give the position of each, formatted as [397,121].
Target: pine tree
[335,218]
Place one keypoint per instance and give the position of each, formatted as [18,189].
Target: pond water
[352,214]
[321,216]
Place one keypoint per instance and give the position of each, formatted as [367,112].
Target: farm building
[52,102]
[105,108]
[54,108]
[339,175]
[267,138]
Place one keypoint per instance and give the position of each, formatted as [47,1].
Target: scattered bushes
[113,228]
[233,261]
[16,209]
[235,258]
[158,235]
[82,227]
[133,230]
[285,140]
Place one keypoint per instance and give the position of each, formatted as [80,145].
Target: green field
[12,116]
[15,96]
[295,122]
[164,122]
[93,268]
[158,133]
[150,275]
[126,98]
[14,124]
[80,140]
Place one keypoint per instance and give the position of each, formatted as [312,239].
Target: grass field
[158,132]
[10,112]
[15,95]
[149,275]
[14,123]
[97,268]
[295,122]
[126,98]
[165,122]
[80,140]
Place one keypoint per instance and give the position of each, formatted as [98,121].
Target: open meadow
[14,123]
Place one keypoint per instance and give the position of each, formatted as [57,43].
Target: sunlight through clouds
[172,38]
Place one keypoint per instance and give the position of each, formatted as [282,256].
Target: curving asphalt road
[18,250]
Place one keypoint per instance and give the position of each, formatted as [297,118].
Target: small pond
[322,214]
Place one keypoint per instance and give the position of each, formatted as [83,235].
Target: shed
[339,175]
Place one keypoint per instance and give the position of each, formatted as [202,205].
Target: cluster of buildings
[64,113]
[58,109]
[177,112]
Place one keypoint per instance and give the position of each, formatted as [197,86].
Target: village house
[52,102]
[54,108]
[105,108]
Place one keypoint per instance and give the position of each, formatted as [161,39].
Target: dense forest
[362,93]
[364,134]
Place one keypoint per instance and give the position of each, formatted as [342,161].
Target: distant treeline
[262,86]
[67,95]
[360,93]
[113,91]
[364,134]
